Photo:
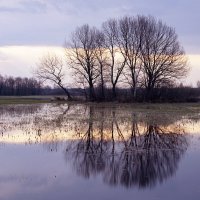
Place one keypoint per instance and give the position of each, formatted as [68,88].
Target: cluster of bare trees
[19,86]
[131,52]
[139,52]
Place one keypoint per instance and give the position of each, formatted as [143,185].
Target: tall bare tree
[129,42]
[116,63]
[81,55]
[101,53]
[163,58]
[51,68]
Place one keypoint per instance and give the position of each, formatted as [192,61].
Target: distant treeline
[19,86]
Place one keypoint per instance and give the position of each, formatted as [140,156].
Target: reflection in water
[138,156]
[125,148]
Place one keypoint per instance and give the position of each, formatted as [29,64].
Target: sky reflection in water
[53,151]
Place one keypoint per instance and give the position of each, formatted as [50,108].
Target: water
[50,151]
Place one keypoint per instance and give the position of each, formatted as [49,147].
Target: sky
[32,28]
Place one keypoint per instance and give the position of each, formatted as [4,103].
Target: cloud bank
[30,28]
[50,22]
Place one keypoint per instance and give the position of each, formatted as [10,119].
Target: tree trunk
[102,93]
[102,85]
[114,95]
[66,92]
[134,92]
[92,95]
[148,95]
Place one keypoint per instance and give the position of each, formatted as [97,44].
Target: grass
[147,107]
[24,99]
[155,107]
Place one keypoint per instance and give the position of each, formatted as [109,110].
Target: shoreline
[147,107]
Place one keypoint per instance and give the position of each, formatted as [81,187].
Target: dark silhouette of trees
[81,55]
[143,49]
[51,68]
[19,86]
[130,42]
[102,61]
[116,63]
[163,58]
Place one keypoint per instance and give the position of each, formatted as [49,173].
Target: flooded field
[50,151]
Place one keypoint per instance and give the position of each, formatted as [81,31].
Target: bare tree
[116,63]
[129,42]
[101,59]
[163,58]
[51,68]
[81,55]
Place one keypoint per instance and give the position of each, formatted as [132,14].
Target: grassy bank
[147,107]
[25,99]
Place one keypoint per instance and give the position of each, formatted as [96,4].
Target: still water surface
[50,151]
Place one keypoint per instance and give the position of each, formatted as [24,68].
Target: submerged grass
[154,107]
[190,108]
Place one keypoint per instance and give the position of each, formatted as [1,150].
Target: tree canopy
[140,51]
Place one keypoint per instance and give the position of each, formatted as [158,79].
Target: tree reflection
[88,152]
[125,148]
[137,155]
[152,159]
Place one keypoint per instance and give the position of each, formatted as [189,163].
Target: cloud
[31,6]
[49,22]
[3,57]
[30,27]
[21,60]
